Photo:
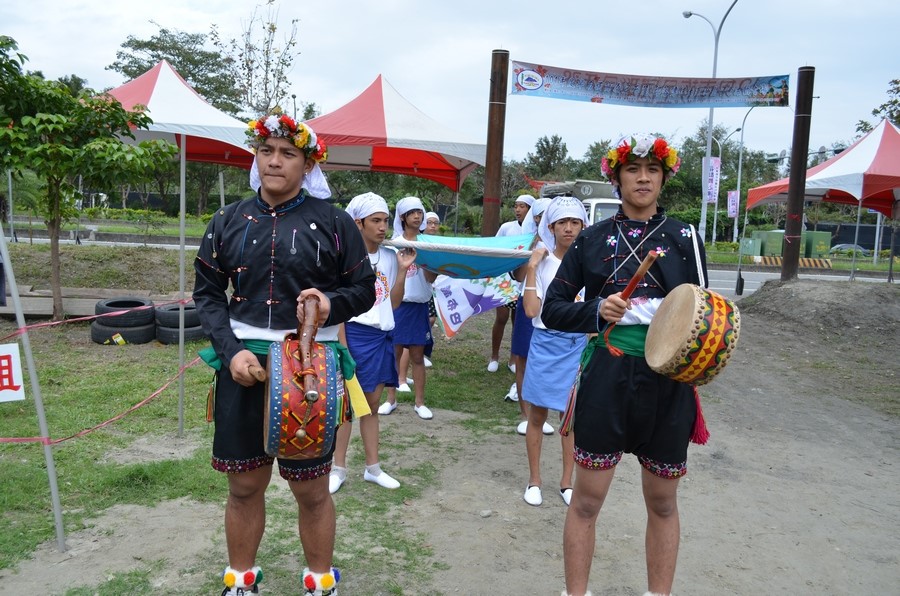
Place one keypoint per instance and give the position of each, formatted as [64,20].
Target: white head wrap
[314,182]
[404,206]
[559,208]
[432,215]
[528,225]
[364,205]
[527,199]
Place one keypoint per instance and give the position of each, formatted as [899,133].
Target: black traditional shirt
[603,260]
[255,260]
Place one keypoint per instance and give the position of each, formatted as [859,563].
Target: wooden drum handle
[306,337]
[258,372]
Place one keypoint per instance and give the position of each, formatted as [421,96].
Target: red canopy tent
[380,131]
[866,174]
[177,110]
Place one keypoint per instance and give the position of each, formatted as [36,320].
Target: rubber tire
[167,315]
[169,335]
[103,334]
[133,318]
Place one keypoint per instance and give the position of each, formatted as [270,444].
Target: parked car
[846,249]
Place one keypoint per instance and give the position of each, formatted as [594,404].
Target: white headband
[314,182]
[364,205]
[528,225]
[404,206]
[559,208]
[527,199]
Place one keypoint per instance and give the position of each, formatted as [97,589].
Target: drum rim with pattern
[692,335]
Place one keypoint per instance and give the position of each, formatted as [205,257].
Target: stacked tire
[167,323]
[137,325]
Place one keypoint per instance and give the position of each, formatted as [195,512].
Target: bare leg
[534,437]
[417,357]
[342,443]
[245,516]
[403,366]
[568,457]
[520,362]
[316,519]
[368,427]
[663,530]
[501,316]
[579,532]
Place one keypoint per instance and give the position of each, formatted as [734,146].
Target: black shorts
[238,439]
[624,406]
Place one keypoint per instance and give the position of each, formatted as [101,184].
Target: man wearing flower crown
[622,405]
[260,257]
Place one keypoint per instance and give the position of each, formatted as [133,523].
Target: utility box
[772,243]
[816,244]
[751,247]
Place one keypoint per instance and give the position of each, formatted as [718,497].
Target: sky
[438,56]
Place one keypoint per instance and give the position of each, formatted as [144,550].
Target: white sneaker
[383,479]
[548,430]
[522,427]
[427,362]
[533,495]
[493,365]
[423,412]
[404,388]
[512,367]
[336,479]
[386,408]
[409,381]
[513,394]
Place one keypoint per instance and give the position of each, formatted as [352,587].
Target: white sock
[374,469]
[339,471]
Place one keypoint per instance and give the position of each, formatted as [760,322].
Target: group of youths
[262,256]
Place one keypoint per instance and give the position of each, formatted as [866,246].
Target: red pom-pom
[309,581]
[249,578]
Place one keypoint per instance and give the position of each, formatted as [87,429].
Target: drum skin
[692,334]
[287,409]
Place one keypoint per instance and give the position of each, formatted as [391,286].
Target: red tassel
[612,349]
[700,434]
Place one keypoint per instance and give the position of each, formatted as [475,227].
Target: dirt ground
[796,492]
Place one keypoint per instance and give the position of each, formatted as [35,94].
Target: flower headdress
[279,125]
[632,147]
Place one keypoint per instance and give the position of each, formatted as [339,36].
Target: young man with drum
[622,405]
[259,258]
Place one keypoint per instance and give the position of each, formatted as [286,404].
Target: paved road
[723,280]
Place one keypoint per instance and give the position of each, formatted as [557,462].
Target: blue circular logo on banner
[530,80]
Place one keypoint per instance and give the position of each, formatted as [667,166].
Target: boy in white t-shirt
[368,337]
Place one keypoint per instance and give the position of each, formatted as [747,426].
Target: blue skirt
[522,330]
[411,326]
[553,360]
[373,351]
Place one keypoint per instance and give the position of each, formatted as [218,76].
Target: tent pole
[181,209]
[856,240]
[221,188]
[36,393]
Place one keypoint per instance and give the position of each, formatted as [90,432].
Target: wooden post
[493,167]
[793,227]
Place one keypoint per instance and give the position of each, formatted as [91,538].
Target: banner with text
[714,172]
[661,92]
[733,206]
[458,299]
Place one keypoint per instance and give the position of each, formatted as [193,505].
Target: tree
[258,62]
[889,110]
[207,71]
[548,159]
[62,137]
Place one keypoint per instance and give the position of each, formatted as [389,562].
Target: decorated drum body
[692,334]
[295,427]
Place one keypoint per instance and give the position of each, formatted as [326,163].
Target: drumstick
[258,372]
[626,294]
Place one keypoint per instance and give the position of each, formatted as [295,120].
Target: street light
[294,97]
[716,204]
[709,127]
[739,282]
